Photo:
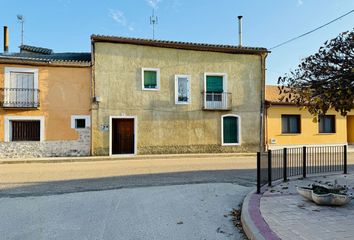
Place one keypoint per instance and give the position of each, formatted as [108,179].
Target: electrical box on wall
[273,141]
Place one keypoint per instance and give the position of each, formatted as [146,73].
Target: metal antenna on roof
[21,20]
[153,22]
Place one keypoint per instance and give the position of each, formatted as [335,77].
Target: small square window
[151,79]
[80,123]
[291,124]
[327,124]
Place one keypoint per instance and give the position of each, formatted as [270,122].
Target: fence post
[345,159]
[269,167]
[285,164]
[258,172]
[304,155]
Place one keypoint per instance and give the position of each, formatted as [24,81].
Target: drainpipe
[262,146]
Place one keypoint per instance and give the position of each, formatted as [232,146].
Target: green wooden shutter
[214,84]
[150,79]
[230,129]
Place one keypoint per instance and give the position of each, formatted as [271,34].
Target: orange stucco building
[44,103]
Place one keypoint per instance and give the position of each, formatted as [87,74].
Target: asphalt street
[193,212]
[20,180]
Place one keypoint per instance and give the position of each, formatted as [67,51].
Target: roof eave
[177,45]
[43,62]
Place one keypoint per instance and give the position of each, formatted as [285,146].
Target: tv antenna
[153,22]
[21,20]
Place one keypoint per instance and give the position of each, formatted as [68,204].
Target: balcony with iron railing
[19,98]
[217,101]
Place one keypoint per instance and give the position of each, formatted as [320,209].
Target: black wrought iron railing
[217,101]
[19,97]
[288,162]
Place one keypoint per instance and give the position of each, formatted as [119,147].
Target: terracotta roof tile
[180,45]
[54,57]
[38,50]
[272,95]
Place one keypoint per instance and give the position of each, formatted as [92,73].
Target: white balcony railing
[217,101]
[19,97]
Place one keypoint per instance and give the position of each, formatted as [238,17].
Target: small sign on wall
[104,127]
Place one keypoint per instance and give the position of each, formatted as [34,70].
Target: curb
[117,158]
[252,221]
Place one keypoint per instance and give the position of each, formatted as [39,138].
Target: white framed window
[182,89]
[24,128]
[215,91]
[215,82]
[230,130]
[80,121]
[150,79]
[21,87]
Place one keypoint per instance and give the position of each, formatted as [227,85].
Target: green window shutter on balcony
[214,84]
[230,129]
[150,79]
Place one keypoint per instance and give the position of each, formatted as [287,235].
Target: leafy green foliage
[324,80]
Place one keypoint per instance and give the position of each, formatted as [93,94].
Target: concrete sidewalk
[281,213]
[193,212]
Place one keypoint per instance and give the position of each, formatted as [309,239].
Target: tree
[324,80]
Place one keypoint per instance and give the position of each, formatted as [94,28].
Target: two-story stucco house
[162,97]
[44,103]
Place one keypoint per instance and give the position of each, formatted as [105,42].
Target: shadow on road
[244,177]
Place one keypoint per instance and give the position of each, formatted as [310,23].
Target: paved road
[181,198]
[57,178]
[193,212]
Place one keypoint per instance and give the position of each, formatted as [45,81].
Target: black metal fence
[287,162]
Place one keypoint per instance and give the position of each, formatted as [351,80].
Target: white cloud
[119,17]
[300,2]
[153,3]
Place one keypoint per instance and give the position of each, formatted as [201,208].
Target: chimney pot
[6,40]
[239,31]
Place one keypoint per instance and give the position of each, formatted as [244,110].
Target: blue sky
[66,25]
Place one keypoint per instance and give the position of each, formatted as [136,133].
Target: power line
[290,40]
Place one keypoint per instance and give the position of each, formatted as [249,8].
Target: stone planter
[305,192]
[323,195]
[331,199]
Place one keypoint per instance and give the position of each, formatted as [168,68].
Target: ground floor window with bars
[25,130]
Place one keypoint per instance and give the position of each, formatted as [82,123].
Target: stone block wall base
[182,149]
[80,147]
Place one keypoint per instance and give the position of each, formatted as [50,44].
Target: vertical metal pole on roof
[21,20]
[153,22]
[239,31]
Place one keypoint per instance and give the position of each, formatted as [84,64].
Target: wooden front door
[123,136]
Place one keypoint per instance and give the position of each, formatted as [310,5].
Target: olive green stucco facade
[163,127]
